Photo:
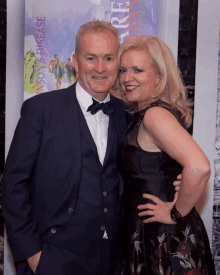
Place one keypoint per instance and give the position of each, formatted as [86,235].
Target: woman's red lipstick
[127,91]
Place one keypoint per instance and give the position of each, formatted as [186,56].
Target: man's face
[96,64]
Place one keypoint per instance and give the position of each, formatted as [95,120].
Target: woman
[155,149]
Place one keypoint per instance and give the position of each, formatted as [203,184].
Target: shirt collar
[85,99]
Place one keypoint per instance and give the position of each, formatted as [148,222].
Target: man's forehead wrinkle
[98,37]
[97,51]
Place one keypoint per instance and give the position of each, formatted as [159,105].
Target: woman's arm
[163,129]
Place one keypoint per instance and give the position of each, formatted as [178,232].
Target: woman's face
[137,77]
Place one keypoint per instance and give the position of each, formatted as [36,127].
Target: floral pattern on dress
[136,268]
[183,252]
[156,256]
[160,255]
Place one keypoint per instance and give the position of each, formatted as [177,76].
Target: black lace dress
[156,248]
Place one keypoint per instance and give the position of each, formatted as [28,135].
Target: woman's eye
[121,70]
[138,71]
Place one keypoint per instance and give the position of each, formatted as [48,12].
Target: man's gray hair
[95,27]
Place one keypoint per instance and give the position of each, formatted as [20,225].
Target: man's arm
[22,231]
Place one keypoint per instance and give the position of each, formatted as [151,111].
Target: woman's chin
[130,99]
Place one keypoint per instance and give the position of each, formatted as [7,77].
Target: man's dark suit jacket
[42,174]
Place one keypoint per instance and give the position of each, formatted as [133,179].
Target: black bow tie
[107,108]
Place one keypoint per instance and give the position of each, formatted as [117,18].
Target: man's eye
[90,58]
[109,58]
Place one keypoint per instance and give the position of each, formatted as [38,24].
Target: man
[61,192]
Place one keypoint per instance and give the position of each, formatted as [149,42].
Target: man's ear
[76,67]
[74,59]
[157,80]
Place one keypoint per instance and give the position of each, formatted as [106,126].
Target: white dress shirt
[97,123]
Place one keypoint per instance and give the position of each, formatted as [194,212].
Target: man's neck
[98,96]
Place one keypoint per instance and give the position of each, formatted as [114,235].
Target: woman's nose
[128,76]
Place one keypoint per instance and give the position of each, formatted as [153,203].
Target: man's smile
[99,78]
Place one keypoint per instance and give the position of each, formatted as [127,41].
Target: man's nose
[100,66]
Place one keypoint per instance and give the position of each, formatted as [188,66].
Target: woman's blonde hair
[170,88]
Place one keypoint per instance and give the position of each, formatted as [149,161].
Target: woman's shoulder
[161,108]
[161,116]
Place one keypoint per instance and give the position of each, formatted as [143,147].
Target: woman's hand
[160,211]
[177,183]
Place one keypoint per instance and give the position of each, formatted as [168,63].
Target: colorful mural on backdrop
[216,206]
[50,31]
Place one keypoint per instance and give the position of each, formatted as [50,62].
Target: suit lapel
[110,138]
[70,117]
[120,117]
[120,121]
[121,125]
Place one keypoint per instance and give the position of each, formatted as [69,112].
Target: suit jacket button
[105,210]
[104,193]
[102,227]
[53,230]
[70,210]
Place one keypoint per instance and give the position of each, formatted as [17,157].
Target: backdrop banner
[216,206]
[50,31]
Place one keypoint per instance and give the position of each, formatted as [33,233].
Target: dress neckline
[141,112]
